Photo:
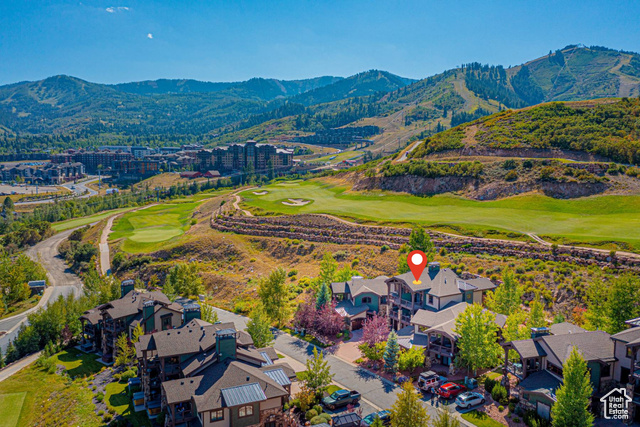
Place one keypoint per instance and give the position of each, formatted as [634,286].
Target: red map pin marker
[417,261]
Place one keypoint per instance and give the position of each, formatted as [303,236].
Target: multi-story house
[211,375]
[358,298]
[153,311]
[626,345]
[439,288]
[435,332]
[539,362]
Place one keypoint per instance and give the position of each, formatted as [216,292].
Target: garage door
[356,324]
[544,410]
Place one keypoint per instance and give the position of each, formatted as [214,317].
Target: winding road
[61,282]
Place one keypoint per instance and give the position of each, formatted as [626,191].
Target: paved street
[61,281]
[376,392]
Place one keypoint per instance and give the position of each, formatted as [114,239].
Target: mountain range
[64,111]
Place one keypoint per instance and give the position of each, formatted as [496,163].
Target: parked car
[429,380]
[347,420]
[385,417]
[341,398]
[450,390]
[469,398]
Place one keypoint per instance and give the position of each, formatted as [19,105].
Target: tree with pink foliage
[328,322]
[375,330]
[305,317]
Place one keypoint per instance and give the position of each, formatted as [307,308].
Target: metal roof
[227,331]
[279,376]
[267,360]
[243,394]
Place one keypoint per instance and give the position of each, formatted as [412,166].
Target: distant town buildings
[239,157]
[41,172]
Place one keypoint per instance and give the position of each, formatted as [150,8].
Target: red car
[450,390]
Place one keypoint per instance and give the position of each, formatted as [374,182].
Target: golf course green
[147,230]
[594,219]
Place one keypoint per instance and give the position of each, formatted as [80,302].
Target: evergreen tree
[1,359]
[124,352]
[324,296]
[12,353]
[377,422]
[391,353]
[419,240]
[574,394]
[259,328]
[477,345]
[408,411]
[8,205]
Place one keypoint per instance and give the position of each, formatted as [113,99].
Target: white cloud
[114,9]
[149,36]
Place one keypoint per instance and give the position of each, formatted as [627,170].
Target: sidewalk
[18,366]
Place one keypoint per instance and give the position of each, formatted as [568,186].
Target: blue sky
[121,40]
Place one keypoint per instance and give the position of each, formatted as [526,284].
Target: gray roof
[358,285]
[345,308]
[198,362]
[528,348]
[243,394]
[628,336]
[189,339]
[278,375]
[244,339]
[541,382]
[257,355]
[92,316]
[443,282]
[445,320]
[407,338]
[132,303]
[564,328]
[593,345]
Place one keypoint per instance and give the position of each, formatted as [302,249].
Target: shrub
[292,273]
[499,394]
[107,418]
[532,419]
[511,176]
[311,413]
[512,407]
[500,408]
[101,412]
[489,384]
[384,248]
[128,374]
[318,409]
[100,397]
[286,406]
[322,418]
[516,420]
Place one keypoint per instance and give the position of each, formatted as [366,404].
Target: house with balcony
[626,346]
[153,311]
[438,289]
[359,297]
[539,360]
[206,374]
[434,331]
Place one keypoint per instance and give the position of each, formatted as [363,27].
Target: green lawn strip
[308,338]
[330,389]
[152,228]
[345,155]
[480,419]
[117,397]
[77,363]
[10,408]
[591,219]
[50,399]
[78,222]
[21,306]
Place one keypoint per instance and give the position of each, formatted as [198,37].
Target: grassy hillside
[607,128]
[594,220]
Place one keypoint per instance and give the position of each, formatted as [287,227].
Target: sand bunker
[260,193]
[296,202]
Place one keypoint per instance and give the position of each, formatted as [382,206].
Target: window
[606,370]
[217,415]
[430,299]
[245,411]
[166,322]
[383,300]
[629,353]
[366,300]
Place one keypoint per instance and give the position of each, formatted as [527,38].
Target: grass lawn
[480,419]
[117,397]
[10,407]
[48,399]
[78,222]
[592,219]
[21,306]
[77,363]
[332,388]
[150,229]
[345,155]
